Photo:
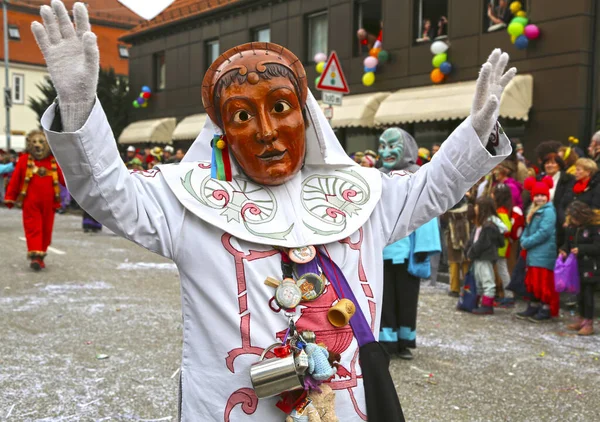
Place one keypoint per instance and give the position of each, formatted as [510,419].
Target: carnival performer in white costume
[271,229]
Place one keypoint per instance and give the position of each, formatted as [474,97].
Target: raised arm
[471,151]
[138,206]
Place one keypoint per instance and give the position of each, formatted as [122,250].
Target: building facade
[172,52]
[27,68]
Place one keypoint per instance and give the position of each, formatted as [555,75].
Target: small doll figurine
[318,362]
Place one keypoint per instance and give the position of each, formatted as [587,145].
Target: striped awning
[357,110]
[155,131]
[452,101]
[190,127]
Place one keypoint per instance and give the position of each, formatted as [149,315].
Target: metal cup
[271,377]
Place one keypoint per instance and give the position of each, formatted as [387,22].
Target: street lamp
[7,91]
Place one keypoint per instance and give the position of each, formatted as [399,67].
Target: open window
[431,20]
[317,27]
[368,17]
[497,14]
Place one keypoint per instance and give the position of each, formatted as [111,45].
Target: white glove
[490,85]
[72,58]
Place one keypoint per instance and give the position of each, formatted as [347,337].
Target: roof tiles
[179,10]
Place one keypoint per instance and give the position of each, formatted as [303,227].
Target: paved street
[97,337]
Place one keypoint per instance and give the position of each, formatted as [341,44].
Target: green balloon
[317,80]
[515,29]
[438,59]
[383,56]
[521,20]
[136,104]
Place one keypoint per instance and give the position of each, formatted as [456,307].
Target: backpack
[468,294]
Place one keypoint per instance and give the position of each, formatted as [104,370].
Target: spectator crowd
[516,225]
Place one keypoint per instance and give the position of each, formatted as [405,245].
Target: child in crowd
[539,244]
[457,233]
[483,252]
[583,239]
[502,196]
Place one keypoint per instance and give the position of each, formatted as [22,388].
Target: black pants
[585,300]
[400,299]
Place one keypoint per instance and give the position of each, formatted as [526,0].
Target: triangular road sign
[332,78]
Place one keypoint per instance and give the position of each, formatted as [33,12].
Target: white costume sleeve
[138,206]
[410,200]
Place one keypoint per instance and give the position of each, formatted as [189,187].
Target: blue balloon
[370,69]
[140,100]
[446,68]
[521,42]
[146,88]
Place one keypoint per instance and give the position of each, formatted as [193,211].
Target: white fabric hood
[328,200]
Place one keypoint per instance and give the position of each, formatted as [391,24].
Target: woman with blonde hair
[585,187]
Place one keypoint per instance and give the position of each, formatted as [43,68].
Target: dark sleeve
[565,201]
[506,16]
[500,238]
[591,249]
[596,197]
[566,245]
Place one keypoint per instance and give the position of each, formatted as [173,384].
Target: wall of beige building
[22,118]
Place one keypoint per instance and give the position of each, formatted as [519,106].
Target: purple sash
[359,324]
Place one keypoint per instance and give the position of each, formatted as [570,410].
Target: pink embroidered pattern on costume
[146,173]
[313,317]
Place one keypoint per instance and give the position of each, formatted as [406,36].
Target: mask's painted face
[391,148]
[265,128]
[38,146]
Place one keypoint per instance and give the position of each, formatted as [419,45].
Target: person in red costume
[34,187]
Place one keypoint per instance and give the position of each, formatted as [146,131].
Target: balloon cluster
[519,28]
[142,99]
[442,67]
[377,56]
[320,59]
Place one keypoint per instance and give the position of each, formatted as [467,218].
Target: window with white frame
[262,35]
[18,91]
[212,52]
[123,52]
[13,33]
[431,20]
[317,25]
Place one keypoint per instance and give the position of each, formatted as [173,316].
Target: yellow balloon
[320,67]
[515,6]
[368,79]
[522,14]
[513,38]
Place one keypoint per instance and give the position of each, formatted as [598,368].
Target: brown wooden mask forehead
[247,59]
